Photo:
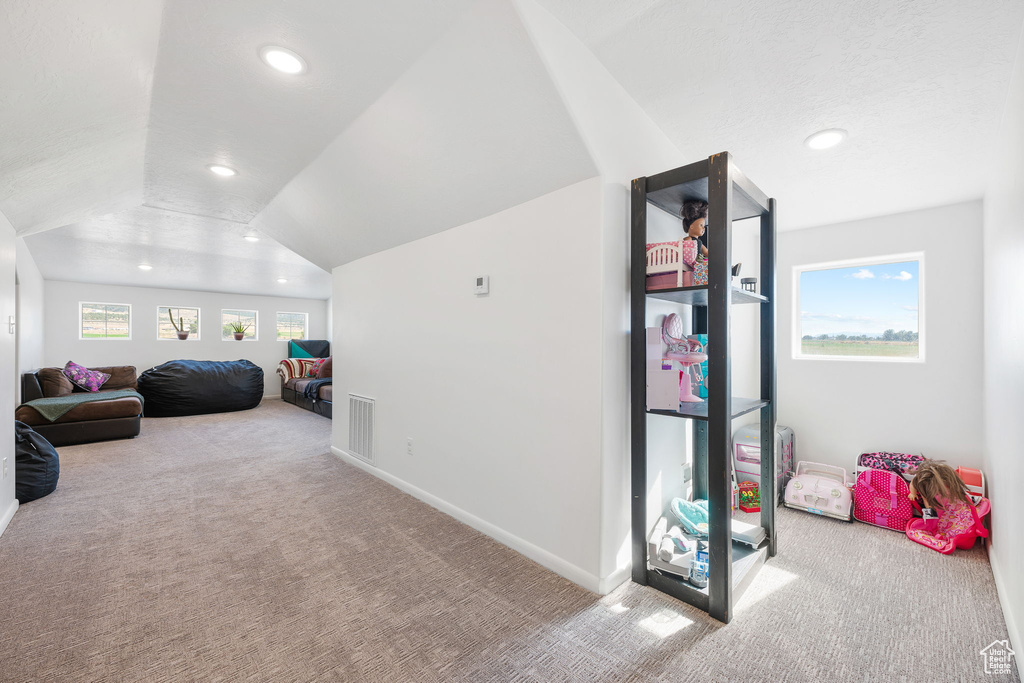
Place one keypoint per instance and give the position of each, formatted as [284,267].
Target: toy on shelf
[749,284]
[746,453]
[750,497]
[700,371]
[684,351]
[667,264]
[820,489]
[950,517]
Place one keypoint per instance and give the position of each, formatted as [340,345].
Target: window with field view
[174,319]
[867,310]
[105,321]
[238,320]
[291,326]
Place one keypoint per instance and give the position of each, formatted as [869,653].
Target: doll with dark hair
[695,218]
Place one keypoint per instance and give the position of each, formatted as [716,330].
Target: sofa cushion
[83,377]
[121,377]
[326,368]
[96,410]
[327,392]
[298,384]
[53,383]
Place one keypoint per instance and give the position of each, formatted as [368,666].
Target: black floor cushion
[195,387]
[36,464]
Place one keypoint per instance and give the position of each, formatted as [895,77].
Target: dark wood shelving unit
[731,197]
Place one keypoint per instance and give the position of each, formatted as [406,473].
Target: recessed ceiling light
[282,280]
[252,238]
[282,59]
[222,170]
[824,139]
[145,266]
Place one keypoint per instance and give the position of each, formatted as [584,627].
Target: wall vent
[360,427]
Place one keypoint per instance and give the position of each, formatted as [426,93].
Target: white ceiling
[419,115]
[183,249]
[75,82]
[920,86]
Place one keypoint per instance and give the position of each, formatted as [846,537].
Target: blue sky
[859,300]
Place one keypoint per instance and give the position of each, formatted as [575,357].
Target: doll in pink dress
[950,518]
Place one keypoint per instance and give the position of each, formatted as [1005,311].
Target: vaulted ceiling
[420,115]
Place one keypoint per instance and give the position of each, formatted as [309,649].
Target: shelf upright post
[769,501]
[638,377]
[720,193]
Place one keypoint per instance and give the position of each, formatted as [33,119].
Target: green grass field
[831,347]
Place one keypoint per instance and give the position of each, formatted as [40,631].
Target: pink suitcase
[819,489]
[881,498]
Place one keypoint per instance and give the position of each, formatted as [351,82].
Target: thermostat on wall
[483,284]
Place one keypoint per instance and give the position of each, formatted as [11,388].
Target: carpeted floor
[236,548]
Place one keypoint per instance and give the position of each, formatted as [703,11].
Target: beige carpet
[236,548]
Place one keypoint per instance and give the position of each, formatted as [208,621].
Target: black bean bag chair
[36,465]
[196,387]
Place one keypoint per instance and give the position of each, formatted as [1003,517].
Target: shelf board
[699,411]
[670,189]
[698,296]
[746,562]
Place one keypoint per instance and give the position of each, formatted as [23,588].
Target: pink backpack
[929,532]
[880,498]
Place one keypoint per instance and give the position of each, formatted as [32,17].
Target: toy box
[746,453]
[820,489]
[750,497]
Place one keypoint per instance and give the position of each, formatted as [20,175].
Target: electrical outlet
[408,445]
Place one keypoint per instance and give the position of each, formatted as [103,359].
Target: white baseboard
[614,580]
[1008,615]
[565,569]
[266,396]
[8,515]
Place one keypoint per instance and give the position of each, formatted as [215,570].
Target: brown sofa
[118,418]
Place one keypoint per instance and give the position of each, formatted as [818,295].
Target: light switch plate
[483,284]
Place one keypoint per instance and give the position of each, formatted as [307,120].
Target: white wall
[840,409]
[501,394]
[144,350]
[1004,359]
[8,504]
[29,338]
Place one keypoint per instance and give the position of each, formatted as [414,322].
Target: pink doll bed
[670,264]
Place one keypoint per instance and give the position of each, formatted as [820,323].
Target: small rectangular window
[174,319]
[868,309]
[238,320]
[104,321]
[291,325]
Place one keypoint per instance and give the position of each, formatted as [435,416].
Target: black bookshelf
[731,196]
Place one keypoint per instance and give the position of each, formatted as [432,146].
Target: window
[184,317]
[230,318]
[104,321]
[860,310]
[291,325]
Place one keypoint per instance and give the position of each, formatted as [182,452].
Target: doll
[695,218]
[942,493]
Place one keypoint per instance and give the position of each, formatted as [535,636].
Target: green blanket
[53,408]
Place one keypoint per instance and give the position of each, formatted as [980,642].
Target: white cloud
[910,308]
[863,274]
[902,277]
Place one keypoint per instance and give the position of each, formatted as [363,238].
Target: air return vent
[360,427]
